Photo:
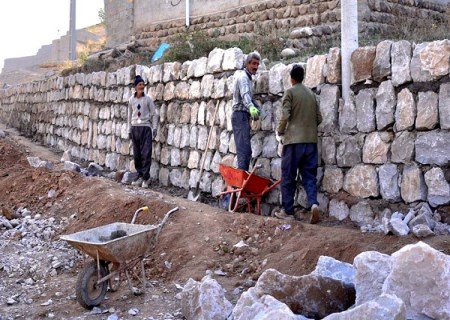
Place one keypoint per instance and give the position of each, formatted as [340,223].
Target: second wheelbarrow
[246,185]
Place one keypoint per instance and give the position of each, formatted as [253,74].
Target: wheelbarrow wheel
[89,293]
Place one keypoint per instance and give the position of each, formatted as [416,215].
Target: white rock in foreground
[205,300]
[387,307]
[420,277]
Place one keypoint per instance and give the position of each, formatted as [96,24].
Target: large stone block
[430,61]
[314,75]
[406,111]
[413,187]
[433,147]
[362,181]
[361,64]
[386,100]
[427,111]
[329,103]
[401,52]
[424,295]
[382,62]
[365,110]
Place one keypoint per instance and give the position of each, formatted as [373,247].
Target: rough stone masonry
[389,142]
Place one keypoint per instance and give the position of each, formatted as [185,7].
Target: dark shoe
[315,214]
[283,215]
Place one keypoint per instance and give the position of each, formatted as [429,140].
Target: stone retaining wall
[289,17]
[389,142]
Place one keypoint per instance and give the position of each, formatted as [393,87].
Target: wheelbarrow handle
[164,220]
[137,212]
[146,209]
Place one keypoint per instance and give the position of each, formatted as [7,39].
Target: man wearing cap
[297,131]
[142,127]
[244,109]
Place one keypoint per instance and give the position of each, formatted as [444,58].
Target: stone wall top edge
[132,70]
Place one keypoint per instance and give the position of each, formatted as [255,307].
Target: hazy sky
[26,25]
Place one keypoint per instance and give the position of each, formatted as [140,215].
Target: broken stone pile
[420,220]
[32,258]
[412,283]
[25,238]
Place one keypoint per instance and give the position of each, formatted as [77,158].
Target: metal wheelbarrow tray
[116,248]
[97,242]
[246,185]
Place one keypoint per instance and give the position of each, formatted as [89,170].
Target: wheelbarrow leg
[129,281]
[258,206]
[143,275]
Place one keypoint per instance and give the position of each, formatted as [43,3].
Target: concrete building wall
[58,51]
[119,21]
[159,11]
[44,54]
[12,64]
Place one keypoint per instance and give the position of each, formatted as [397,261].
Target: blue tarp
[160,51]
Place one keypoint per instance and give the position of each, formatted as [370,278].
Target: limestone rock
[205,300]
[312,296]
[362,181]
[338,209]
[314,71]
[430,61]
[412,186]
[385,306]
[372,269]
[386,101]
[425,287]
[382,62]
[401,57]
[361,64]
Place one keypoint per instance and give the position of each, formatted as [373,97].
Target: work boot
[146,183]
[137,182]
[283,215]
[315,214]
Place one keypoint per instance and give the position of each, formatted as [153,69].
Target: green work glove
[254,112]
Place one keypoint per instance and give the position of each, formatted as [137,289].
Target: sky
[26,25]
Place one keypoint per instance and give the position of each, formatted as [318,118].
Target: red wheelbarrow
[246,185]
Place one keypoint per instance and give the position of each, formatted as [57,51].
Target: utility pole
[188,9]
[349,41]
[73,31]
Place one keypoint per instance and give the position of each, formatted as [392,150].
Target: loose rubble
[24,241]
[32,255]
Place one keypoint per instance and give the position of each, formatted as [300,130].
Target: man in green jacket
[297,131]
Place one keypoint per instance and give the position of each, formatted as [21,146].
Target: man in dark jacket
[297,131]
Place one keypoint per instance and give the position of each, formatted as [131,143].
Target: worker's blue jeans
[240,120]
[304,158]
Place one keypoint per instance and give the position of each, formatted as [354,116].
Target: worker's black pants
[142,150]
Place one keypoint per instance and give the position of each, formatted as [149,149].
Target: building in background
[50,56]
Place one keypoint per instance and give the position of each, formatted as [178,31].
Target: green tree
[102,16]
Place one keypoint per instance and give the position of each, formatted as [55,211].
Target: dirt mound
[198,237]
